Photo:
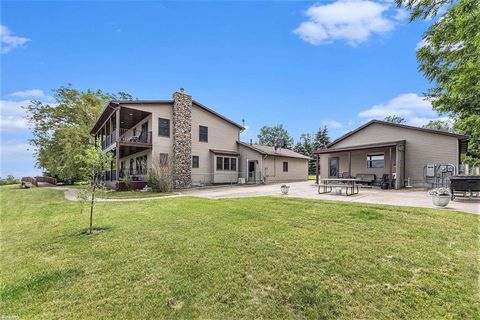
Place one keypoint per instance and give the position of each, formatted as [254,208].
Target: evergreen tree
[306,146]
[322,139]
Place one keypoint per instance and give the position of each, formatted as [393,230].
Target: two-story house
[202,144]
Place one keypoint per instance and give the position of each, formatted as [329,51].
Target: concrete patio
[308,190]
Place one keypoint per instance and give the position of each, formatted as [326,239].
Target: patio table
[350,184]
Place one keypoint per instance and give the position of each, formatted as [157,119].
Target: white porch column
[400,163]
[349,164]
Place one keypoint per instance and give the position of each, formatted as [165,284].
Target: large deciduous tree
[269,135]
[450,59]
[61,128]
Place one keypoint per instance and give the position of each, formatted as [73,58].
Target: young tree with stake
[93,162]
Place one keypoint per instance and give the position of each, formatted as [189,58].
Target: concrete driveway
[308,190]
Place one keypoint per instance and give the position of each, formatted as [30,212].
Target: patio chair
[345,175]
[365,178]
[134,139]
[385,181]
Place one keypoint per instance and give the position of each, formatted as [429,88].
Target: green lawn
[312,177]
[134,194]
[237,258]
[124,194]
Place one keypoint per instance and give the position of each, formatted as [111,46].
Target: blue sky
[301,64]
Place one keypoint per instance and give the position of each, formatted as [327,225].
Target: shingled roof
[270,151]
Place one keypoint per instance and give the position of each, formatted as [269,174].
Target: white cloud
[415,109]
[12,116]
[401,15]
[351,20]
[421,121]
[17,159]
[9,41]
[33,93]
[422,43]
[333,124]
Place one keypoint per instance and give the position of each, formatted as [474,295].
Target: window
[219,163]
[203,134]
[163,127]
[285,166]
[141,164]
[195,161]
[375,161]
[163,159]
[227,163]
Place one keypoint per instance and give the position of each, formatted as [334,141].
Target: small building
[403,153]
[270,164]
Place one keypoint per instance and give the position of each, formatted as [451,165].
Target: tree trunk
[91,208]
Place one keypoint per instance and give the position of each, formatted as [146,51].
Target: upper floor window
[164,127]
[375,161]
[203,131]
[195,161]
[285,166]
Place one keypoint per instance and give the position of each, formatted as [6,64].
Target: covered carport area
[352,160]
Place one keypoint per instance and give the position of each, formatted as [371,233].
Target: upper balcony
[122,126]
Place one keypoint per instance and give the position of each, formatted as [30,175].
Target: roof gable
[270,151]
[115,103]
[404,126]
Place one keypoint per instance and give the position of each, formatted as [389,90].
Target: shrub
[160,177]
[128,183]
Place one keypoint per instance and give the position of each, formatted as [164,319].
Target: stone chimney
[182,139]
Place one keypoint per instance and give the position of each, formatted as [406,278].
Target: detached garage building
[261,163]
[403,153]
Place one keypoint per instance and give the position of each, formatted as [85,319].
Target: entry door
[251,170]
[333,167]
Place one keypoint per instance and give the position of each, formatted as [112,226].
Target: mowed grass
[135,194]
[238,258]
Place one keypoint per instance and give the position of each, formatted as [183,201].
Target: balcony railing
[109,140]
[143,138]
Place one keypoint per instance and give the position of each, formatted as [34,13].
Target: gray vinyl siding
[421,147]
